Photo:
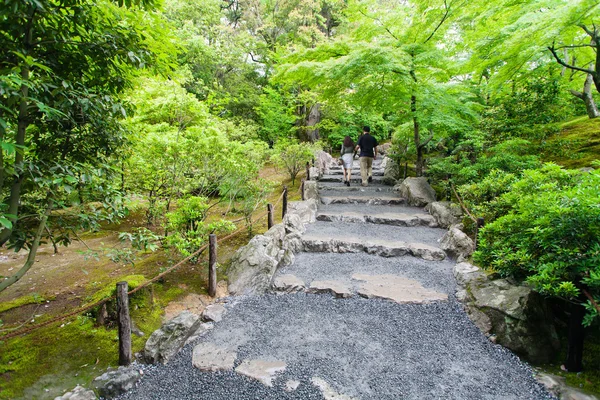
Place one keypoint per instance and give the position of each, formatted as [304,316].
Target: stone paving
[366,311]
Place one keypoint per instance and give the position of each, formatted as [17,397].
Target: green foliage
[187,222]
[293,156]
[550,237]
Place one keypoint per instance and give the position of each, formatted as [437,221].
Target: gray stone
[166,341]
[391,172]
[516,315]
[79,393]
[291,385]
[324,161]
[338,289]
[261,370]
[202,330]
[465,272]
[396,288]
[327,391]
[417,191]
[212,357]
[116,382]
[253,266]
[315,173]
[288,283]
[445,213]
[457,243]
[213,312]
[557,386]
[384,149]
[306,210]
[311,191]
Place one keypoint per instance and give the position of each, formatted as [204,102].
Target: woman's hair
[348,142]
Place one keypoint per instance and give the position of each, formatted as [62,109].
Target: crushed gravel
[367,209]
[366,349]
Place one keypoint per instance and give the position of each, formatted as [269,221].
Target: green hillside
[577,145]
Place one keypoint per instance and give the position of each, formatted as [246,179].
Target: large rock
[515,315]
[253,266]
[416,191]
[311,192]
[116,382]
[391,171]
[456,243]
[166,341]
[315,173]
[324,161]
[384,149]
[79,393]
[445,213]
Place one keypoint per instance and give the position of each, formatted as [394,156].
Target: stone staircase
[367,310]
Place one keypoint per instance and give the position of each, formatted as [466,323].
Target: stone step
[341,187]
[370,199]
[355,172]
[338,178]
[376,214]
[315,243]
[345,230]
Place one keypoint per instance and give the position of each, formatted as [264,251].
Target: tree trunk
[417,137]
[32,251]
[314,117]
[576,337]
[587,97]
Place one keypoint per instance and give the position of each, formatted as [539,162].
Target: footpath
[367,310]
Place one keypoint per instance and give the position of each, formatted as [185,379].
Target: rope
[143,285]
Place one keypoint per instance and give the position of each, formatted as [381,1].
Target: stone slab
[396,288]
[212,357]
[338,289]
[288,283]
[261,370]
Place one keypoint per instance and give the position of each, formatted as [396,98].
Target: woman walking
[347,155]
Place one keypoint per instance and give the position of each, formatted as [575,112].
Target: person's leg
[349,176]
[345,174]
[370,168]
[363,170]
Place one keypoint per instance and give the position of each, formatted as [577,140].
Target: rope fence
[81,310]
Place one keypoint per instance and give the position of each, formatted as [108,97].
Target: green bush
[551,236]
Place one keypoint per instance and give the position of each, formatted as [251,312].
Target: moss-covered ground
[577,144]
[51,360]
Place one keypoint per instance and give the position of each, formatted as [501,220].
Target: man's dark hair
[367,129]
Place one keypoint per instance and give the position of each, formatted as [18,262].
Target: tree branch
[564,64]
[591,299]
[440,23]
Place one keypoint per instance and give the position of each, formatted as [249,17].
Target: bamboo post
[212,265]
[307,171]
[124,323]
[269,215]
[302,190]
[284,202]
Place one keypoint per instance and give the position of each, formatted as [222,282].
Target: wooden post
[302,190]
[307,171]
[284,202]
[212,265]
[480,224]
[269,216]
[124,323]
[313,162]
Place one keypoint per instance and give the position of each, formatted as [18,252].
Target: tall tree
[63,67]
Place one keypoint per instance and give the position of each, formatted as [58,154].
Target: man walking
[368,152]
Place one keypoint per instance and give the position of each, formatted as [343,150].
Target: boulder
[557,385]
[416,191]
[116,382]
[445,213]
[324,161]
[306,210]
[79,393]
[456,243]
[213,312]
[213,357]
[166,341]
[391,172]
[315,173]
[384,149]
[253,266]
[311,191]
[517,317]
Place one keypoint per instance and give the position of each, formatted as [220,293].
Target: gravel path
[360,348]
[364,349]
